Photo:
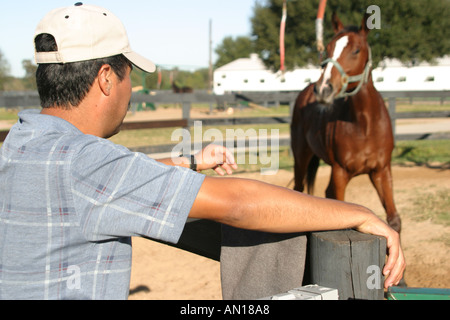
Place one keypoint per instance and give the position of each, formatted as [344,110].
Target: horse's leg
[302,156]
[338,182]
[301,151]
[382,181]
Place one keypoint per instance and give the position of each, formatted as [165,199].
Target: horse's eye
[356,51]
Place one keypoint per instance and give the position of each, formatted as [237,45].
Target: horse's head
[348,65]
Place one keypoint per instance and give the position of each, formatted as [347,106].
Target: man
[71,201]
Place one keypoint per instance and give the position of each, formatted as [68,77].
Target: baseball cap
[86,32]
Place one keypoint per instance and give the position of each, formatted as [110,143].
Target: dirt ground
[162,272]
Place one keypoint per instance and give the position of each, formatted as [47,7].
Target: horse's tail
[311,174]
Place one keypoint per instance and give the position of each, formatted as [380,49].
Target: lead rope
[282,33]
[319,28]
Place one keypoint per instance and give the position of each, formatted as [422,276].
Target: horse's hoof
[395,223]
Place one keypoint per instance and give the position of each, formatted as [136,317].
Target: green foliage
[231,49]
[197,79]
[29,80]
[411,31]
[4,71]
[299,34]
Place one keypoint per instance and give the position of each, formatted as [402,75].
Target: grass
[9,115]
[144,137]
[422,107]
[279,159]
[422,152]
[432,206]
[243,111]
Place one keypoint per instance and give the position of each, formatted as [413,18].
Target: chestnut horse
[343,120]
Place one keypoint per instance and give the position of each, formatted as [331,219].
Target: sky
[172,33]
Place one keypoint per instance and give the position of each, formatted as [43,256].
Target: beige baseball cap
[85,32]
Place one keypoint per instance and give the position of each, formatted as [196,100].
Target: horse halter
[346,79]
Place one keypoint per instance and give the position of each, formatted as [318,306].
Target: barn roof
[247,64]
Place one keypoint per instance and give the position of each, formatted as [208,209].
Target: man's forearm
[180,161]
[256,205]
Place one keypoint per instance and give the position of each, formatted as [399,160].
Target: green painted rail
[400,293]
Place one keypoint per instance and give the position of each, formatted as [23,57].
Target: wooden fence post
[392,113]
[349,261]
[186,115]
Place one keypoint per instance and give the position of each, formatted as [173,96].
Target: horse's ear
[364,30]
[337,24]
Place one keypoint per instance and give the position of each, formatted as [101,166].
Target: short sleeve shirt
[69,205]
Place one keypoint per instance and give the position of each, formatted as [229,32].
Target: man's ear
[104,77]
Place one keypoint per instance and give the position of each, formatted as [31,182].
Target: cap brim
[140,62]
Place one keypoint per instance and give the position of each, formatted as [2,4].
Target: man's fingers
[395,264]
[229,158]
[224,166]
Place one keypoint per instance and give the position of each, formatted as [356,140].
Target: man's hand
[216,157]
[213,156]
[395,265]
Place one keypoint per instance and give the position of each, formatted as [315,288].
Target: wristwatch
[193,164]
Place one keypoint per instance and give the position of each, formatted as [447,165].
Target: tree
[29,81]
[231,49]
[411,31]
[197,80]
[4,71]
[299,34]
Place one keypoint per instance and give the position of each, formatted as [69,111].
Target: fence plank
[31,99]
[154,124]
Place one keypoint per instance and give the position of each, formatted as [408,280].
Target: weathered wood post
[392,108]
[186,115]
[349,261]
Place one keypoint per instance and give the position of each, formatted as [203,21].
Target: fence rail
[31,99]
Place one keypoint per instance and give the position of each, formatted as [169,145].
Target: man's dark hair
[66,85]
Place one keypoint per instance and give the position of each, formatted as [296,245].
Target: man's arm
[255,205]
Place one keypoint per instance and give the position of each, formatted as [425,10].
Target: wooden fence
[266,99]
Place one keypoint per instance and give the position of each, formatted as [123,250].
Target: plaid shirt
[69,205]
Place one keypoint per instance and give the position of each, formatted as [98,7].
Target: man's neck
[76,117]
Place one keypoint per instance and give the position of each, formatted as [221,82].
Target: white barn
[392,75]
[250,74]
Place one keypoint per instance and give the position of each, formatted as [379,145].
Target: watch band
[193,164]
